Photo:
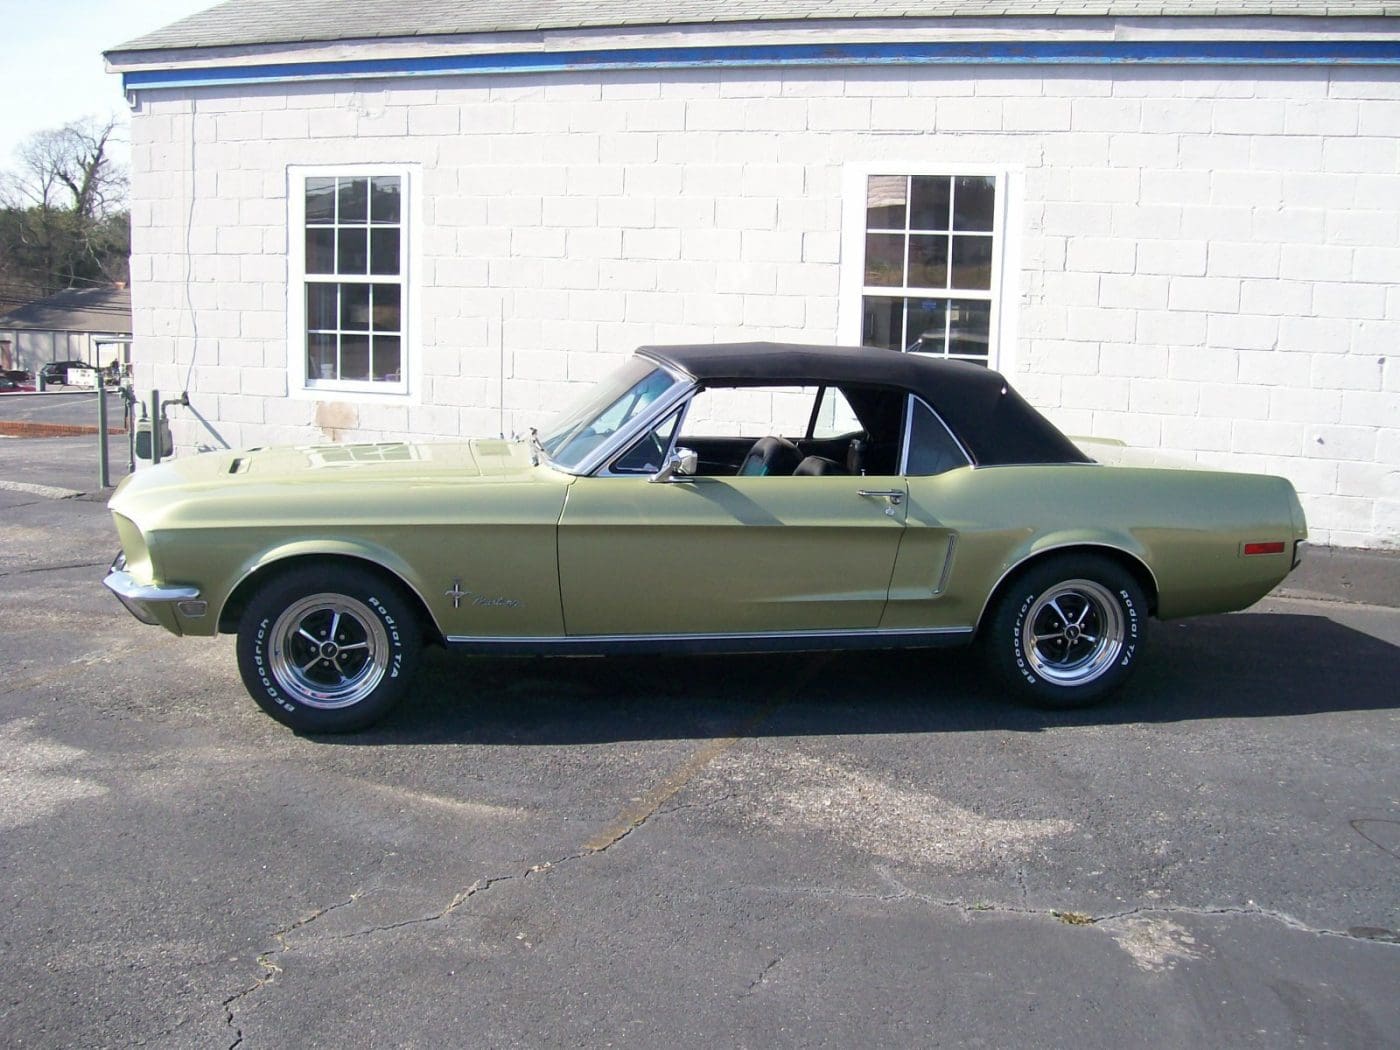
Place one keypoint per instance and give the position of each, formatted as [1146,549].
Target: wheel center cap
[328,650]
[1072,632]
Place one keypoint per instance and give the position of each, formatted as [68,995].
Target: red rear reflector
[1263,548]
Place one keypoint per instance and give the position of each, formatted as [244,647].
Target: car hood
[305,482]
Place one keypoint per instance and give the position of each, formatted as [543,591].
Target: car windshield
[605,409]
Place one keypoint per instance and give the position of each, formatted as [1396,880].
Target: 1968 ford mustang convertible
[750,497]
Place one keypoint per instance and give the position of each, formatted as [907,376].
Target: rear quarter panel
[970,528]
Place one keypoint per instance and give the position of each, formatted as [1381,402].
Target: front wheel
[1067,632]
[328,649]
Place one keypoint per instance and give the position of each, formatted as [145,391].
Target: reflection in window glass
[322,306]
[384,200]
[929,266]
[354,307]
[974,203]
[928,262]
[354,200]
[387,359]
[320,250]
[354,357]
[354,278]
[945,327]
[969,328]
[384,252]
[882,322]
[884,259]
[928,326]
[886,201]
[972,262]
[931,198]
[321,356]
[351,251]
[320,201]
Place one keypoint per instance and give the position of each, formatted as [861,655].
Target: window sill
[363,394]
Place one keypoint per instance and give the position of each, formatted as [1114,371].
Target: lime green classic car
[746,497]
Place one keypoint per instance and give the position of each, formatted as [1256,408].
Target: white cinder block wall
[1208,264]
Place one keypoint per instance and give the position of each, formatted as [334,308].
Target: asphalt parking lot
[850,850]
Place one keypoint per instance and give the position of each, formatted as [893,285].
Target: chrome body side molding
[758,642]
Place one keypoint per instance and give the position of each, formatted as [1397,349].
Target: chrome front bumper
[141,599]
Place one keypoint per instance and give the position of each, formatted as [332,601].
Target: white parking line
[47,491]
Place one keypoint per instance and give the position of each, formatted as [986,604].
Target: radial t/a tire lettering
[327,648]
[1067,631]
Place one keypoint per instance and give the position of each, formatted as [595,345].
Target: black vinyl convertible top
[996,424]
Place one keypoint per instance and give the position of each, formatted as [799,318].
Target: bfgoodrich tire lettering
[327,648]
[1067,632]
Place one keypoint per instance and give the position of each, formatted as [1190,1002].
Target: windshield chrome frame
[681,387]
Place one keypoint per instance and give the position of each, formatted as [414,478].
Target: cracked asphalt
[847,850]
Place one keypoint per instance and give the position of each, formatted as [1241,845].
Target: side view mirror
[682,465]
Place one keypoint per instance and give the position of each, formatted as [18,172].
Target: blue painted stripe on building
[1165,53]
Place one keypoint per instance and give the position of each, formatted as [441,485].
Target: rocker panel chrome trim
[757,642]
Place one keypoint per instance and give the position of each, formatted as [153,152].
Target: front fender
[374,554]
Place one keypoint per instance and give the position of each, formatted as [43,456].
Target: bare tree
[64,218]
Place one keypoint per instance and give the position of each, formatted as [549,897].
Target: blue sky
[53,71]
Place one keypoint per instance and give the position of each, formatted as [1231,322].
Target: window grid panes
[928,265]
[354,279]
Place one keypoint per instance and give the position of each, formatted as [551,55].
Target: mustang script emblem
[457,594]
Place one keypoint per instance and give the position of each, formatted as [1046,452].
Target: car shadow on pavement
[1237,666]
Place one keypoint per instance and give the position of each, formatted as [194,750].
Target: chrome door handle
[895,496]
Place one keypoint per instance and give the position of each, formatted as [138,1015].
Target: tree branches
[63,218]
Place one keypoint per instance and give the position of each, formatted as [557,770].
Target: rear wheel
[328,649]
[1067,632]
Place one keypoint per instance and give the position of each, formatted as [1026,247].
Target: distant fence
[30,429]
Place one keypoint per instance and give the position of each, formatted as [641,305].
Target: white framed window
[922,259]
[352,300]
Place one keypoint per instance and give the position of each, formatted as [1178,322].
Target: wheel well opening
[238,601]
[1129,563]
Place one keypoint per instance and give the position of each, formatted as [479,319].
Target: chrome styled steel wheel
[1066,630]
[329,650]
[328,647]
[1073,633]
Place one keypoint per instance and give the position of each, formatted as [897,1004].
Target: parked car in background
[11,386]
[56,372]
[741,498]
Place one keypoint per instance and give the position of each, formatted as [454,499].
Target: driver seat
[770,455]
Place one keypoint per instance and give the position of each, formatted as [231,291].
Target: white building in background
[1174,224]
[92,325]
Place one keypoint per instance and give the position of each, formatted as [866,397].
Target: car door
[728,555]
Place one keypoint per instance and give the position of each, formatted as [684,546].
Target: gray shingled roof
[75,310]
[252,22]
